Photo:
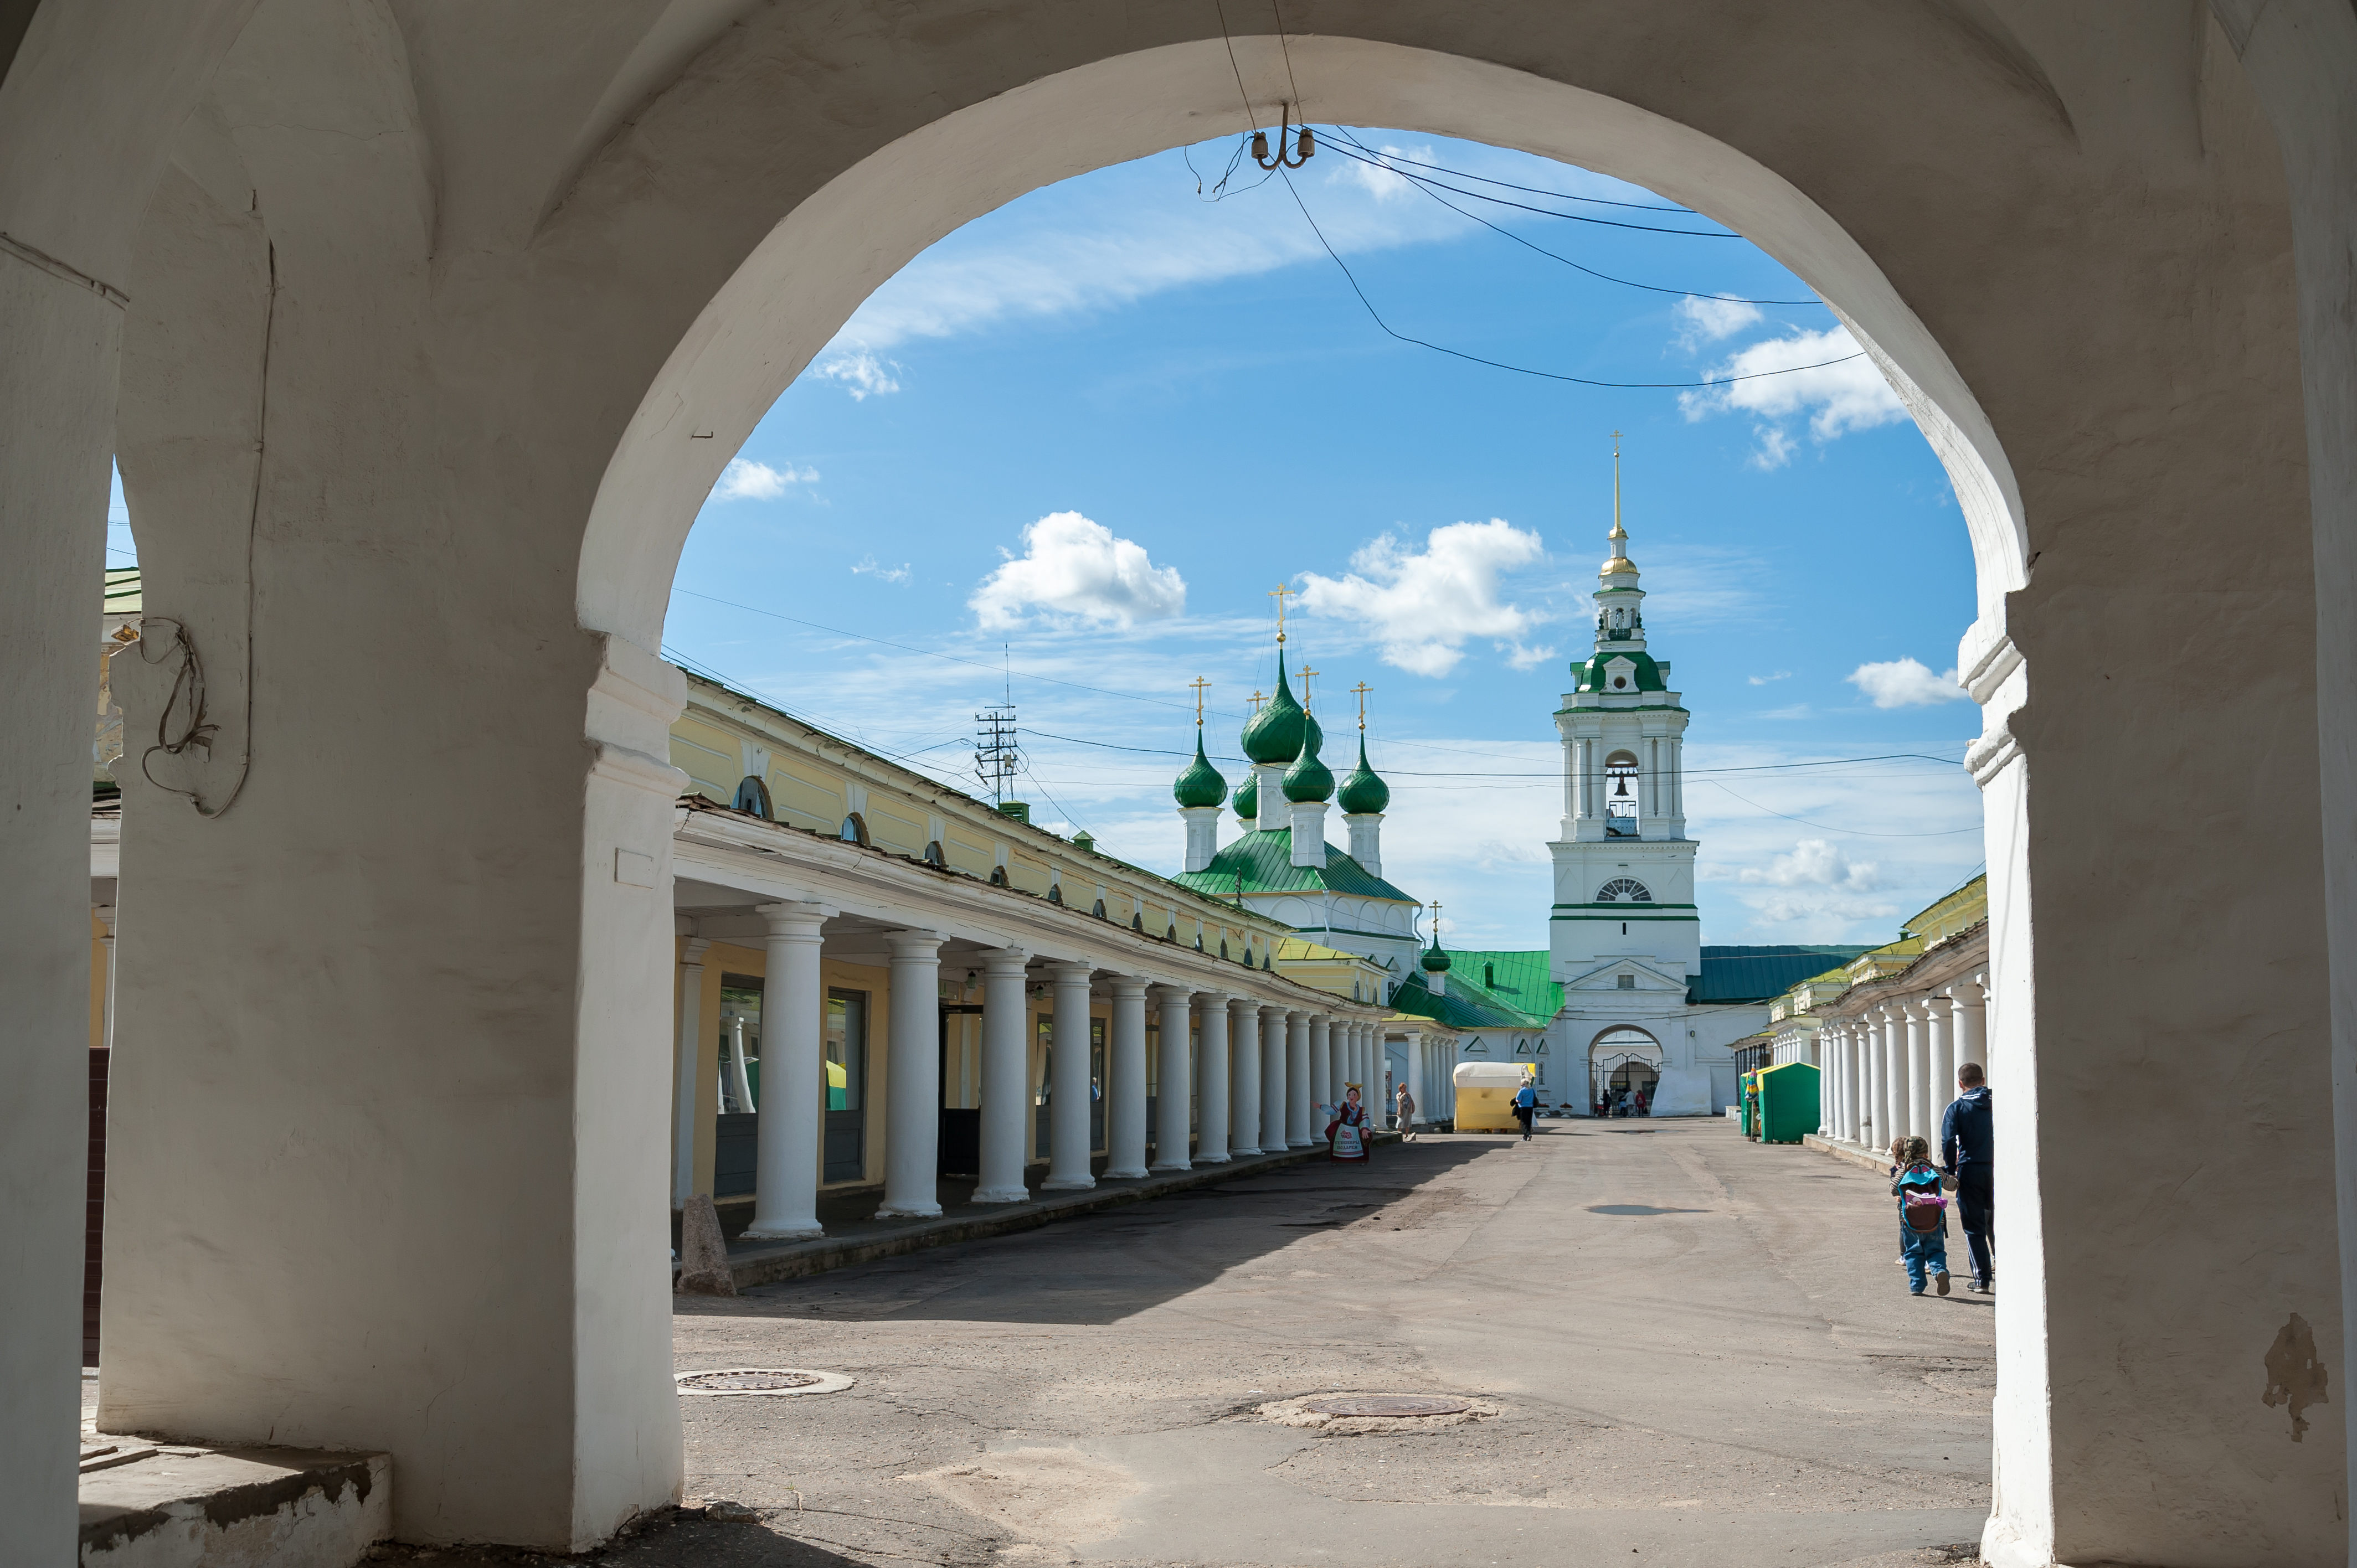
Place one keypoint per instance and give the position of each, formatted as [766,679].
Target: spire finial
[1619,560]
[1256,701]
[1305,673]
[1200,686]
[1280,593]
[1359,691]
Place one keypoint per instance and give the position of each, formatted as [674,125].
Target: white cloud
[1423,605]
[858,371]
[1380,183]
[1775,448]
[1837,398]
[1530,658]
[1763,680]
[867,566]
[1074,567]
[1702,320]
[1906,683]
[1797,711]
[1814,863]
[745,480]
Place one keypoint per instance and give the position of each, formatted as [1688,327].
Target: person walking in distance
[1923,1216]
[1406,1107]
[1527,1105]
[1967,1152]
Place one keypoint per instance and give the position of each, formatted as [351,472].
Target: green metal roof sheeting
[1518,979]
[1759,973]
[1465,1005]
[1264,861]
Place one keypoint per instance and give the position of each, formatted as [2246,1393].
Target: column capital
[1939,1002]
[915,943]
[798,919]
[1168,990]
[1128,987]
[1215,998]
[1071,971]
[1244,1004]
[692,951]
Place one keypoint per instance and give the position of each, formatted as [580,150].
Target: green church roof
[1363,792]
[1273,734]
[1263,861]
[1248,798]
[1594,677]
[1201,784]
[1309,778]
[1464,1005]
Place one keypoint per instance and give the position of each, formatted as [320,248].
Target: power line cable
[1827,827]
[1376,316]
[1566,260]
[1542,211]
[1350,131]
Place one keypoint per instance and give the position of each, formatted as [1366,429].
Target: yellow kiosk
[1485,1095]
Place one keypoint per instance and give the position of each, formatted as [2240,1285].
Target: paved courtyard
[1698,1351]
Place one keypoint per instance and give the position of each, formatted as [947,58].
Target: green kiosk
[1789,1108]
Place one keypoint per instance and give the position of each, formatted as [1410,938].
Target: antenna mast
[996,757]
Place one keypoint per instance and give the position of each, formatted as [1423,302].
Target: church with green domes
[1280,864]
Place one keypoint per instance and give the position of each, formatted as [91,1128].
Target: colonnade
[1266,1081]
[1890,1069]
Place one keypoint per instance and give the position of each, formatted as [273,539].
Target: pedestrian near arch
[1967,1152]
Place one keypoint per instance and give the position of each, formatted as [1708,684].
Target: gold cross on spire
[1280,594]
[1617,532]
[1435,922]
[1305,673]
[1256,701]
[1200,686]
[1359,691]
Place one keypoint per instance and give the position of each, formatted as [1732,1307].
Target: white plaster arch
[804,279]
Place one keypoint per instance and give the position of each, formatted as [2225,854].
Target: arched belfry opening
[417,371]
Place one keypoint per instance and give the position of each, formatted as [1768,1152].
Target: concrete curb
[798,1260]
[1856,1154]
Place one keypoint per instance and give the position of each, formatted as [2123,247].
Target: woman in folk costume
[1346,1135]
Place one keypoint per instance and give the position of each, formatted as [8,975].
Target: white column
[1861,1084]
[1846,1052]
[912,1098]
[1006,1128]
[1296,1080]
[1243,1077]
[1415,1073]
[106,914]
[1068,1082]
[1124,1089]
[1941,1035]
[1919,1068]
[1894,1075]
[1874,1121]
[1272,1081]
[1323,1032]
[1211,1124]
[1972,1021]
[1175,1072]
[682,1089]
[793,1031]
[741,1079]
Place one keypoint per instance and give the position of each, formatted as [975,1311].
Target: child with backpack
[1922,1214]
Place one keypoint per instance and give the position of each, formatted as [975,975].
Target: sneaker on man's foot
[1942,1278]
[1914,1290]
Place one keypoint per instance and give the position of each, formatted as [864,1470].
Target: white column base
[909,1211]
[1209,1160]
[1239,1153]
[1002,1195]
[1179,1169]
[1067,1184]
[790,1233]
[1138,1173]
[1297,1143]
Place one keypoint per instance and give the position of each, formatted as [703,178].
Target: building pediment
[1607,976]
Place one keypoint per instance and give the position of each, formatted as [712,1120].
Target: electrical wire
[1566,260]
[1350,131]
[1413,773]
[1376,316]
[1827,827]
[1542,211]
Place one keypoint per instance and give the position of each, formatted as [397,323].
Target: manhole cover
[1388,1404]
[762,1380]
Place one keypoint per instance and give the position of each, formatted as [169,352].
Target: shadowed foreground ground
[1700,1351]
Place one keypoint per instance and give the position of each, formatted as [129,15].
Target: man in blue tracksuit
[1967,1150]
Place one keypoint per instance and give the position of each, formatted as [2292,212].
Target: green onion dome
[1309,778]
[1435,960]
[1248,800]
[1362,792]
[1273,734]
[1201,785]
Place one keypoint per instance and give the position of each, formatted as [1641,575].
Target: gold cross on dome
[1359,691]
[1280,594]
[1200,686]
[1256,701]
[1305,673]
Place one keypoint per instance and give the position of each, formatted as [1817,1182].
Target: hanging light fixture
[1304,144]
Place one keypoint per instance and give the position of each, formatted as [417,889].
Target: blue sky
[1095,427]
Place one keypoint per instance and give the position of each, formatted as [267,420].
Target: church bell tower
[1624,869]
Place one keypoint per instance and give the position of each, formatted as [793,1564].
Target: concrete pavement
[1701,1350]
